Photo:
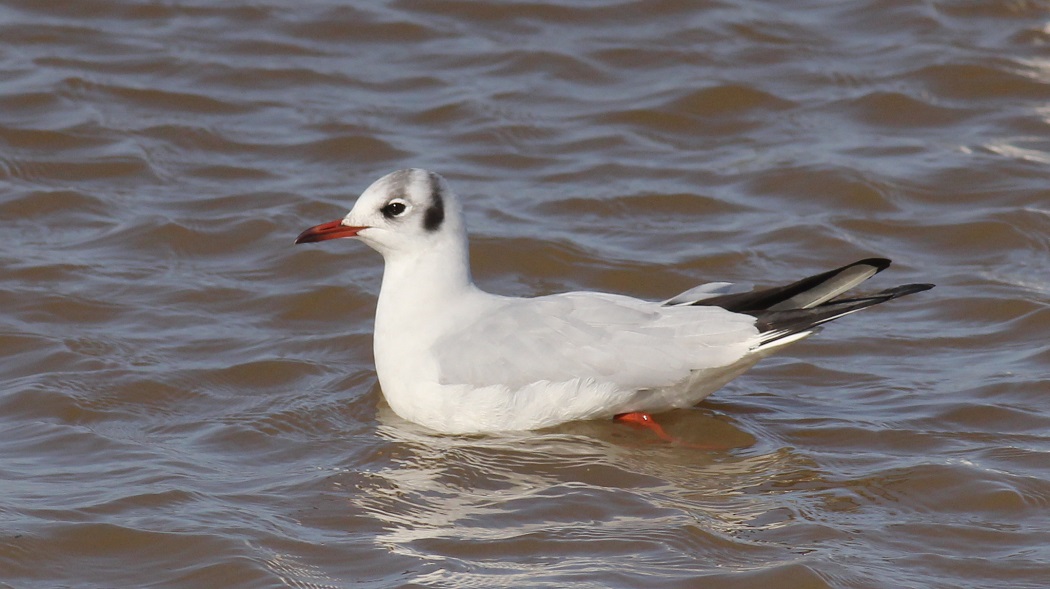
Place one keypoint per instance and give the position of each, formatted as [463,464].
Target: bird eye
[393,209]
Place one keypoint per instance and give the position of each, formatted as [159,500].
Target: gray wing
[630,343]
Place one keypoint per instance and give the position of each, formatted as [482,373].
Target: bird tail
[788,313]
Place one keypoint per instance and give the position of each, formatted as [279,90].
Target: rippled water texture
[189,401]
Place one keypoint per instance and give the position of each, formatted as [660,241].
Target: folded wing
[626,342]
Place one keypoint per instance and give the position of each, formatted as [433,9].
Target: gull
[460,360]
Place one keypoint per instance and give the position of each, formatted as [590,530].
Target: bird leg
[645,420]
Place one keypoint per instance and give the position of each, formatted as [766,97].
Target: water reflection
[581,492]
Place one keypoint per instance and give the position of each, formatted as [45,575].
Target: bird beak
[326,231]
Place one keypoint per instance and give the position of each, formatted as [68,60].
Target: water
[189,401]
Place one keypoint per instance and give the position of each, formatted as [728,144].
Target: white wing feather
[706,291]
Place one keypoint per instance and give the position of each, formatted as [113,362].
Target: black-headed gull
[460,360]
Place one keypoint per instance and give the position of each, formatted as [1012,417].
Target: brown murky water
[188,401]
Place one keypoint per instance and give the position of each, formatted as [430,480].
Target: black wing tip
[879,264]
[878,297]
[790,322]
[907,289]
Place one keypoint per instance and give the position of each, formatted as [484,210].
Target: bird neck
[428,277]
[421,297]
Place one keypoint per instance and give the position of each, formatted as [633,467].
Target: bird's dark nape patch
[435,213]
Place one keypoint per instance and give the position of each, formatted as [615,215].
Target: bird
[459,360]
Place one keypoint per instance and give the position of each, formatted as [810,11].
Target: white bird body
[488,362]
[460,360]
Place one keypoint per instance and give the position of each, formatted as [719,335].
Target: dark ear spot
[435,213]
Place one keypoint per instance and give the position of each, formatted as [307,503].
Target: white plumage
[459,360]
